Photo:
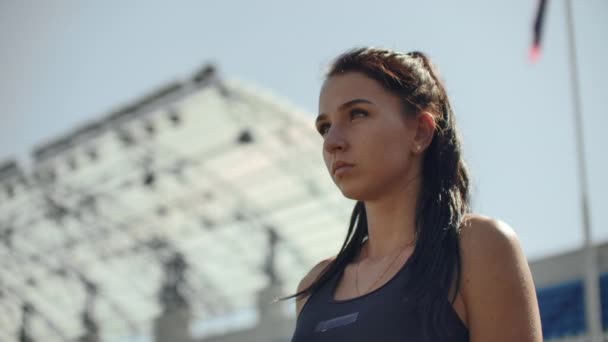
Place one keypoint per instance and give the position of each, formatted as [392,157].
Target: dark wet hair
[444,196]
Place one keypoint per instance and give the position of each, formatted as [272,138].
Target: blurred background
[161,178]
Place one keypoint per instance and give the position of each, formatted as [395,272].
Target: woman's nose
[334,140]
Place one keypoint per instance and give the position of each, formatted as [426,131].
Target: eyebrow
[343,106]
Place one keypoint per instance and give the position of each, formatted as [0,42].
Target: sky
[63,63]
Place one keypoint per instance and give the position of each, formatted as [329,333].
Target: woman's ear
[425,129]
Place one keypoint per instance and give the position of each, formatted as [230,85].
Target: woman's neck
[391,221]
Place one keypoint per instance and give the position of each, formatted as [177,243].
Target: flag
[537,30]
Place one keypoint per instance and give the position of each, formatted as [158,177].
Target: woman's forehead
[342,88]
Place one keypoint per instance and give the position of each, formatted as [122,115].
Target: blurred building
[181,217]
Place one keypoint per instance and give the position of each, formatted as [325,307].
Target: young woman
[415,264]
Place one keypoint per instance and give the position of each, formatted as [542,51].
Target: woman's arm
[497,285]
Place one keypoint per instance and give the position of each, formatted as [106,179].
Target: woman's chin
[352,193]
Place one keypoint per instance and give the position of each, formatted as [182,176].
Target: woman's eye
[356,113]
[323,128]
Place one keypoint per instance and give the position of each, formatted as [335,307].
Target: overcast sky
[63,63]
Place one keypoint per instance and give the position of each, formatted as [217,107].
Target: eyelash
[352,113]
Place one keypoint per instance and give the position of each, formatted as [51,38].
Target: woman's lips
[340,168]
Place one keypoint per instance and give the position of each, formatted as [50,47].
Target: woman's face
[364,127]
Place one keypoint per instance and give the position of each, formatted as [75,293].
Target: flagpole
[592,291]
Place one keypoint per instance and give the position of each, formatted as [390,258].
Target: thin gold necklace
[381,275]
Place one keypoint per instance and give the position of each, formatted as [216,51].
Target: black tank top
[378,316]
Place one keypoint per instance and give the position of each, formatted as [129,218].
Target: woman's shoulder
[496,282]
[488,244]
[313,274]
[478,229]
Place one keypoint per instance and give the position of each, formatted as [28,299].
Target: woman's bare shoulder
[474,221]
[482,231]
[309,279]
[497,285]
[485,242]
[314,273]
